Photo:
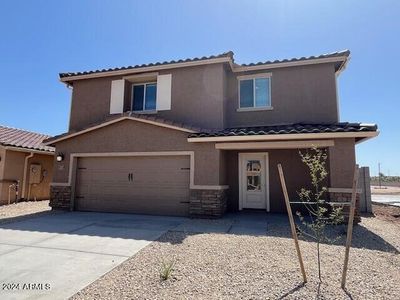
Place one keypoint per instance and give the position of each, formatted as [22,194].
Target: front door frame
[241,157]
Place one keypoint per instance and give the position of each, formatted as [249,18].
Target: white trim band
[295,136]
[290,64]
[27,150]
[116,121]
[275,145]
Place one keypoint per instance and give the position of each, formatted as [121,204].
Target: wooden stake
[291,221]
[350,225]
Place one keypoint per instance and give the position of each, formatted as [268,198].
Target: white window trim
[144,110]
[140,78]
[258,108]
[254,77]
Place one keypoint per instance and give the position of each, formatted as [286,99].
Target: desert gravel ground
[20,210]
[228,266]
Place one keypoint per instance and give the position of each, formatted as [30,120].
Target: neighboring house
[26,165]
[201,136]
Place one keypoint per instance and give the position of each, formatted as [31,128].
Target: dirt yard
[22,209]
[228,266]
[387,212]
[385,190]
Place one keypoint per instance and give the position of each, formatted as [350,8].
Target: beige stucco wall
[196,98]
[3,186]
[90,101]
[305,94]
[207,96]
[2,160]
[134,136]
[13,169]
[42,191]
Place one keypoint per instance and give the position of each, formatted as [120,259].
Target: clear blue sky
[39,39]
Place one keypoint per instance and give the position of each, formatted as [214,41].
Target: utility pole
[379,174]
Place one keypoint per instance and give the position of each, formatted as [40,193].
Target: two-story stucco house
[201,136]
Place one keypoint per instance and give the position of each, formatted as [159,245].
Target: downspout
[25,171]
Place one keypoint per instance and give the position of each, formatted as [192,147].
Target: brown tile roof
[228,54]
[225,54]
[288,129]
[23,139]
[345,53]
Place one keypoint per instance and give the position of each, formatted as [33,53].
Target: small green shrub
[166,269]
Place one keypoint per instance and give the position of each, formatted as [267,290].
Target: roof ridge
[150,64]
[228,54]
[345,52]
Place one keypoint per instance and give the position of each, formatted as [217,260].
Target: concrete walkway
[54,256]
[386,199]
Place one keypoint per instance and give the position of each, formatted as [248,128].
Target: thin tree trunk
[319,263]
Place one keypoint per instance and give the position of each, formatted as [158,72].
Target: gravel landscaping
[246,266]
[20,210]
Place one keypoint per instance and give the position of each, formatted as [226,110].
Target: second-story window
[254,92]
[144,96]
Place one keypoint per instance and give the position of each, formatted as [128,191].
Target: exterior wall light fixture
[60,157]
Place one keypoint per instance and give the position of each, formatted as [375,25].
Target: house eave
[28,150]
[69,79]
[342,59]
[279,137]
[235,68]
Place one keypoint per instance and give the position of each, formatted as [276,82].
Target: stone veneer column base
[346,197]
[60,197]
[207,203]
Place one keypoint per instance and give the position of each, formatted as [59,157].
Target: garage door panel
[159,185]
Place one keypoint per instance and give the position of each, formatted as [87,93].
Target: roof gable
[128,116]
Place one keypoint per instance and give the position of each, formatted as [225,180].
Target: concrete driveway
[56,255]
[386,199]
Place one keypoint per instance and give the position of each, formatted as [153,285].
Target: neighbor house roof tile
[23,139]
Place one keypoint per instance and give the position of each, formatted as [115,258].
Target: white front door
[253,174]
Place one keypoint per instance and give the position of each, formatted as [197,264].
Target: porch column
[342,159]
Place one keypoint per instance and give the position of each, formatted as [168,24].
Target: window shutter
[164,92]
[117,96]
